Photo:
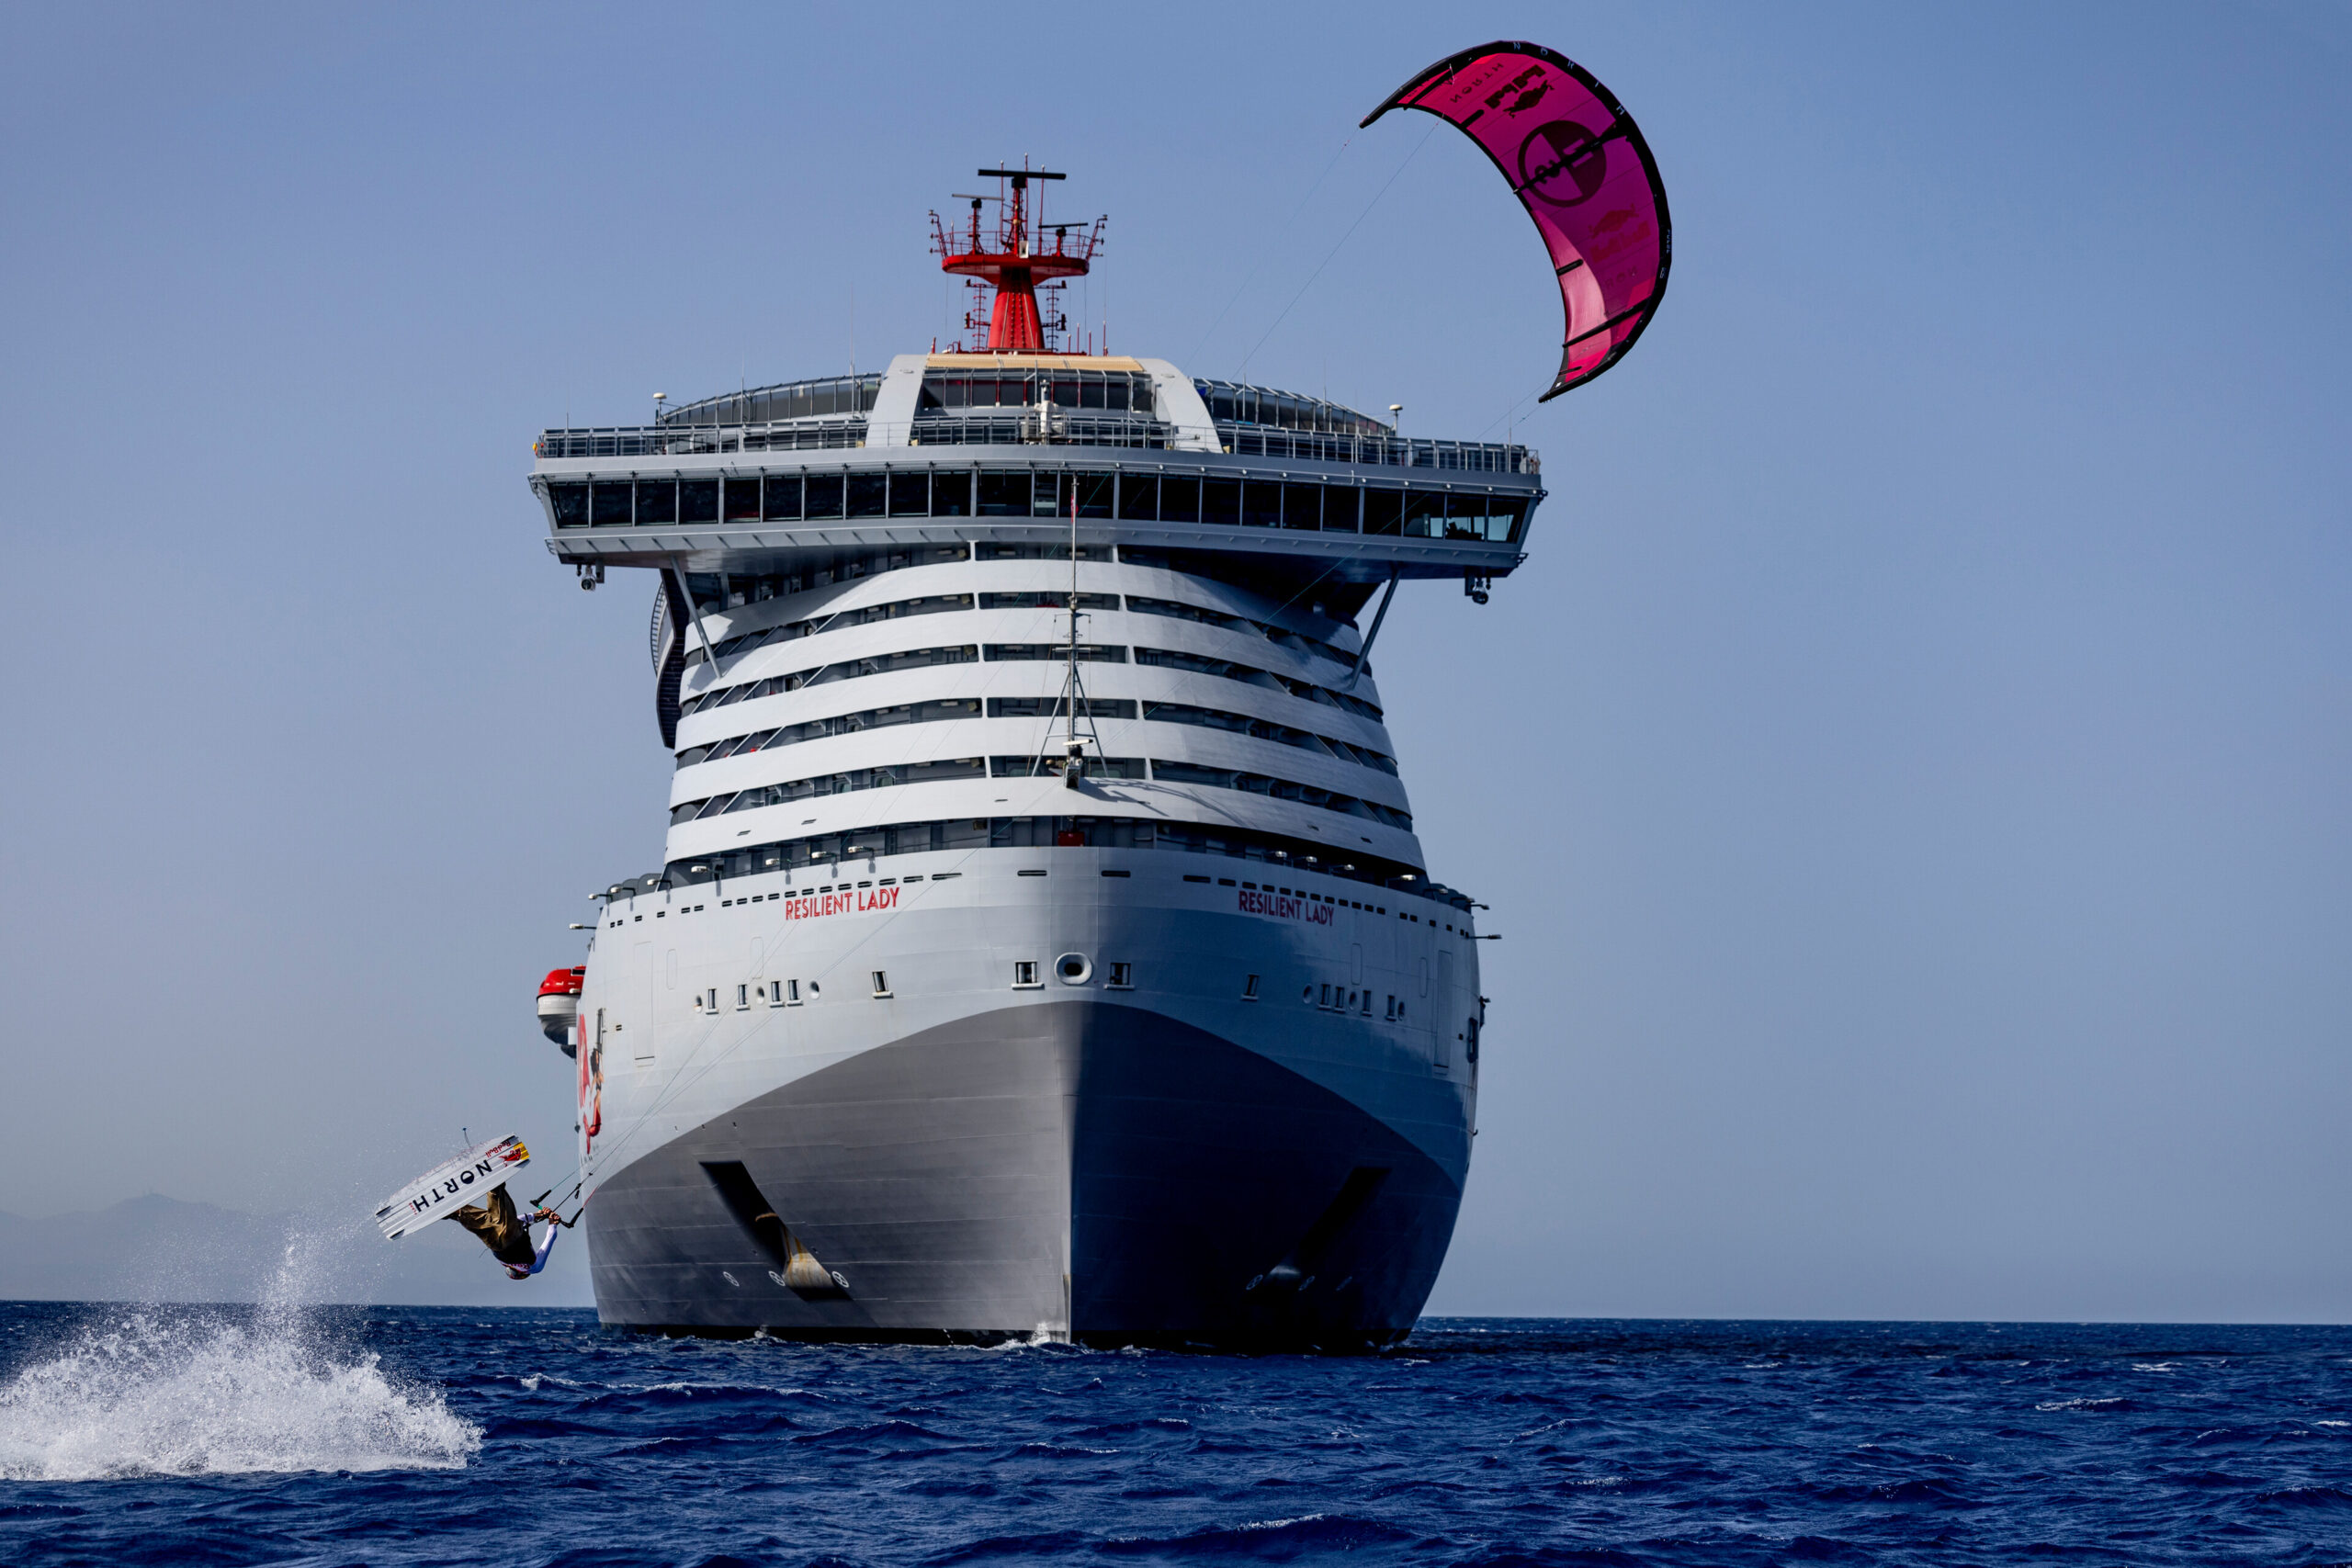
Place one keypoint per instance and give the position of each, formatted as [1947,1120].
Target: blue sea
[160,1435]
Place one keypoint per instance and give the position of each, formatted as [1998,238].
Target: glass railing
[1387,451]
[1221,848]
[1054,428]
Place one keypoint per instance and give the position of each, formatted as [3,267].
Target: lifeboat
[559,1005]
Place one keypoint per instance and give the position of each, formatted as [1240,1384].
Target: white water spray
[197,1390]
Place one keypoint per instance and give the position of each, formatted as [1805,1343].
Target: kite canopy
[1584,173]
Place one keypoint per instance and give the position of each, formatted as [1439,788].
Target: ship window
[868,494]
[1249,988]
[824,495]
[1302,506]
[1122,976]
[1261,505]
[792,993]
[1423,511]
[1025,972]
[1224,882]
[1340,508]
[783,498]
[743,997]
[608,505]
[1045,598]
[1093,494]
[1383,511]
[743,500]
[911,494]
[1221,502]
[1138,497]
[950,494]
[1196,879]
[570,505]
[1506,516]
[881,983]
[1003,493]
[698,501]
[1179,500]
[656,502]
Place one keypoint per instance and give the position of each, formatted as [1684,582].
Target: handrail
[1061,430]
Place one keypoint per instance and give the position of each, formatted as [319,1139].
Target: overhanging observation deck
[946,449]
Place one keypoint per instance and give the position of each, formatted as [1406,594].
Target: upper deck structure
[965,447]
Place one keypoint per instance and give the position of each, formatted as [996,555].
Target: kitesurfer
[505,1232]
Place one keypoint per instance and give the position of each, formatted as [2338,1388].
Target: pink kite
[1584,173]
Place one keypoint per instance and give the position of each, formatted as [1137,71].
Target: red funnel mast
[1016,262]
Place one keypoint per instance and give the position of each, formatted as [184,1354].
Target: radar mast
[1014,261]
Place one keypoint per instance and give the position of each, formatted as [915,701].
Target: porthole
[1073,968]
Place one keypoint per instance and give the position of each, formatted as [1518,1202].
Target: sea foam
[194,1392]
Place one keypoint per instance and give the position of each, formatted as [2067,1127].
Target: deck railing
[1057,429]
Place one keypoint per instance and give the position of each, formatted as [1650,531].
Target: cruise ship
[1041,946]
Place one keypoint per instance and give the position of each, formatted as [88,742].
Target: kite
[1578,165]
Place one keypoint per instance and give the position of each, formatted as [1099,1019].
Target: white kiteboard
[450,1185]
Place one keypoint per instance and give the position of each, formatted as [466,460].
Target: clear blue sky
[1909,773]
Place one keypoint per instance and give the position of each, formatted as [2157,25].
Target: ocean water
[132,1435]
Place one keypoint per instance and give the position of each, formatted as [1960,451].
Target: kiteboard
[450,1185]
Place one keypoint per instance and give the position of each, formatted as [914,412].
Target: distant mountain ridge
[162,1249]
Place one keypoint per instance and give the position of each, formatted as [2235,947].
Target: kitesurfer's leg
[500,1229]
